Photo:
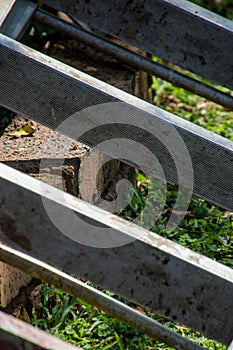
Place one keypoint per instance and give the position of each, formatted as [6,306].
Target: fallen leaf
[24,130]
[74,146]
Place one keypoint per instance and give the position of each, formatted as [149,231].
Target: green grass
[206,229]
[193,108]
[77,322]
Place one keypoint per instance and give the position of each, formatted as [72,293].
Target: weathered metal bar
[18,18]
[134,60]
[175,30]
[95,297]
[5,8]
[18,335]
[50,92]
[147,268]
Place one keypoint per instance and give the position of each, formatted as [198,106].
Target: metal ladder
[176,280]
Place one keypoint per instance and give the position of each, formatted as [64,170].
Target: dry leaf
[24,130]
